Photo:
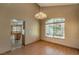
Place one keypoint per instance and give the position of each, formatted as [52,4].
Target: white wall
[32,31]
[71,15]
[19,11]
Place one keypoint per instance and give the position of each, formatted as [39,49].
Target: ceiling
[53,4]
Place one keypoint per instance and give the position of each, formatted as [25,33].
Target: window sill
[55,37]
[58,37]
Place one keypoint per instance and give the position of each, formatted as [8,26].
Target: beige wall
[71,15]
[19,11]
[4,30]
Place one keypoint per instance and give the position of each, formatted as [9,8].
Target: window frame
[55,23]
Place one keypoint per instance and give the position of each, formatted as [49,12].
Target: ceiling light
[40,15]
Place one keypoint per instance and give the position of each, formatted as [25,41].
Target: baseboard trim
[32,42]
[41,40]
[5,52]
[60,44]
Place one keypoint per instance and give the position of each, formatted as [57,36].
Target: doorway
[17,33]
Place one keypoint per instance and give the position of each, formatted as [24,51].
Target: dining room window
[54,27]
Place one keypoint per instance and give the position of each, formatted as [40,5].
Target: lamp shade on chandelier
[40,15]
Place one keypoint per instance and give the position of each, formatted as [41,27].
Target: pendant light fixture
[40,15]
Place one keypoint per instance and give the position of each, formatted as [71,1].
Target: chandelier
[40,15]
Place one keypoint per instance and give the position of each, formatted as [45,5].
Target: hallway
[44,48]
